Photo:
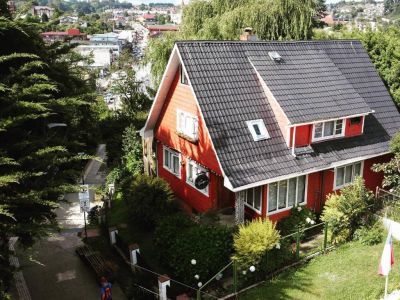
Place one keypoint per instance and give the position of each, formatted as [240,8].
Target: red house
[265,126]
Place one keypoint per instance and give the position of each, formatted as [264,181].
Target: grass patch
[349,272]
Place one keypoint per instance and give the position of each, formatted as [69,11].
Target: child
[105,289]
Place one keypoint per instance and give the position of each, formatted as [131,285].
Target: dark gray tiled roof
[337,79]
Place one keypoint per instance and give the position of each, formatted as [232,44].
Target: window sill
[283,209]
[330,138]
[200,191]
[169,171]
[253,208]
[186,137]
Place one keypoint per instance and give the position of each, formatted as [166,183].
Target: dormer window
[258,130]
[184,79]
[328,130]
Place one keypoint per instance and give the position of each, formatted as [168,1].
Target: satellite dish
[202,181]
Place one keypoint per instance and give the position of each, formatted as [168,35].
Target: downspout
[294,141]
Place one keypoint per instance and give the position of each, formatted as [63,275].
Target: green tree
[46,119]
[226,19]
[4,12]
[391,169]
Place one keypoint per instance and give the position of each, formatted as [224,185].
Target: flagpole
[386,286]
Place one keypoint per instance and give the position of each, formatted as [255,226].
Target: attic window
[275,56]
[184,79]
[258,130]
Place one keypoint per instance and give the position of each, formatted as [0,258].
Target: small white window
[193,170]
[327,130]
[345,175]
[187,125]
[172,161]
[258,130]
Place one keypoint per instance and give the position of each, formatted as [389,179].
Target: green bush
[300,218]
[167,230]
[210,246]
[278,257]
[370,235]
[347,211]
[148,199]
[253,240]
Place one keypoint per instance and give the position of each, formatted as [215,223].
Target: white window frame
[186,131]
[335,187]
[278,210]
[196,165]
[169,168]
[263,130]
[323,138]
[261,200]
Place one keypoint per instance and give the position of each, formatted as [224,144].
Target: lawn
[349,272]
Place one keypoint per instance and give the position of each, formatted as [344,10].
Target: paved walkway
[52,270]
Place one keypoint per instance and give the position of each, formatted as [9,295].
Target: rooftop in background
[167,27]
[69,32]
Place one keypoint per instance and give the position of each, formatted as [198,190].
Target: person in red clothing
[105,289]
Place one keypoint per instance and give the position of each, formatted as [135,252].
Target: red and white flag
[387,259]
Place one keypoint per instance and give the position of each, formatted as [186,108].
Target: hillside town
[199,149]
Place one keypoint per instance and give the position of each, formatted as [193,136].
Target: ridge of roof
[266,42]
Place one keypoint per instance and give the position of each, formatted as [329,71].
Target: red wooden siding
[320,185]
[181,97]
[304,132]
[353,129]
[303,135]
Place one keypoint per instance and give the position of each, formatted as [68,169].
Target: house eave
[229,186]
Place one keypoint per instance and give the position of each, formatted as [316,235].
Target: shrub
[300,218]
[148,199]
[278,257]
[370,235]
[346,211]
[210,246]
[253,240]
[93,215]
[167,230]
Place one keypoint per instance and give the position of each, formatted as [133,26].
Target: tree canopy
[226,19]
[48,115]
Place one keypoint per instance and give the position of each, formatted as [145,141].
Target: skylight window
[275,56]
[258,130]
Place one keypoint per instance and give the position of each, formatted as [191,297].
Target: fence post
[235,276]
[298,243]
[325,236]
[133,251]
[163,282]
[198,294]
[113,232]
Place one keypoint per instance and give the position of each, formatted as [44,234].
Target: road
[51,268]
